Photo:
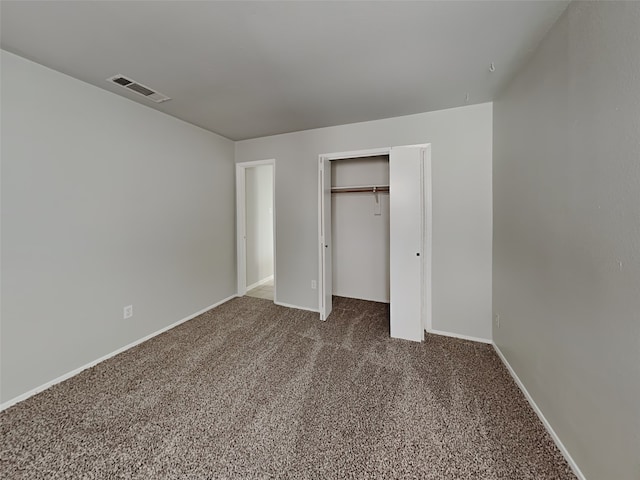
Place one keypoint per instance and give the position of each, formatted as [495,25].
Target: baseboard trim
[93,363]
[296,306]
[259,282]
[545,422]
[460,336]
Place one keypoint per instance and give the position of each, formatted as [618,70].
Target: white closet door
[326,290]
[406,223]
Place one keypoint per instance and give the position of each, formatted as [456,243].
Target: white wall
[259,222]
[462,227]
[105,203]
[360,239]
[567,233]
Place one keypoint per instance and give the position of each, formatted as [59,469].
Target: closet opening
[255,182]
[375,233]
[360,228]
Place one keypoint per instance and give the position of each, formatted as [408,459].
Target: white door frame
[427,319]
[241,214]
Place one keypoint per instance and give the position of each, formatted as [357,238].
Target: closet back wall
[461,142]
[360,238]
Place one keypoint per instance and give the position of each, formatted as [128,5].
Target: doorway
[409,236]
[360,228]
[255,200]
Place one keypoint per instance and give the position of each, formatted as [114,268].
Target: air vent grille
[122,81]
[138,88]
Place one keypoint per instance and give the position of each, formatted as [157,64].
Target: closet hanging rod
[364,188]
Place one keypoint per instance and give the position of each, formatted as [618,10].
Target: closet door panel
[325,244]
[406,226]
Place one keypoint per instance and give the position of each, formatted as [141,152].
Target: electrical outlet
[314,285]
[127,312]
[497,320]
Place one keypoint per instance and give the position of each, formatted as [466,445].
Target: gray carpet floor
[255,390]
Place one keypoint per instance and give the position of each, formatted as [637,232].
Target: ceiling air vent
[138,88]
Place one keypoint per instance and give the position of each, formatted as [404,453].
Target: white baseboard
[259,282]
[545,422]
[462,337]
[93,363]
[296,306]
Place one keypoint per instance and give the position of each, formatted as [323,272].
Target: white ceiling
[249,69]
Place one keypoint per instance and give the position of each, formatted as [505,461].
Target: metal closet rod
[364,188]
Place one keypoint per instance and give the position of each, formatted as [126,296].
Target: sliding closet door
[406,241]
[326,287]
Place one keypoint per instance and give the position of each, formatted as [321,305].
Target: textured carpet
[255,390]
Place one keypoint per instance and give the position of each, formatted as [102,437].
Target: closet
[360,228]
[375,233]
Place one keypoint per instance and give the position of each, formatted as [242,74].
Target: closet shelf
[361,188]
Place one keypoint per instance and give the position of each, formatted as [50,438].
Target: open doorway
[256,229]
[360,228]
